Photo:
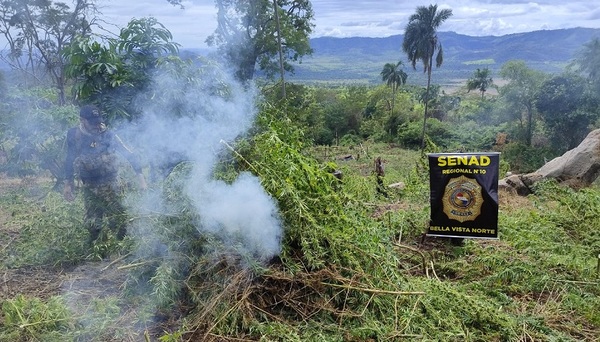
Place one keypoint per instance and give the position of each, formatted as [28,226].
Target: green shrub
[31,319]
[525,159]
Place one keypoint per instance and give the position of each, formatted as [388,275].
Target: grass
[354,267]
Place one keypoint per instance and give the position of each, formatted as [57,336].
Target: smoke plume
[194,121]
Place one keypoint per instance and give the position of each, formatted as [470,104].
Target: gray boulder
[577,168]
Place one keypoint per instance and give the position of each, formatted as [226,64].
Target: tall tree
[564,103]
[481,81]
[393,75]
[588,62]
[279,48]
[111,75]
[421,43]
[247,29]
[38,31]
[520,93]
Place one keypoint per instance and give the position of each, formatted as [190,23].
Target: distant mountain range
[360,60]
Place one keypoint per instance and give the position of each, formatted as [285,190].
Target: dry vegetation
[379,280]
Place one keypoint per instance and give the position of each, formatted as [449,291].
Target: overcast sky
[372,18]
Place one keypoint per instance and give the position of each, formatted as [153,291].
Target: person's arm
[68,167]
[133,160]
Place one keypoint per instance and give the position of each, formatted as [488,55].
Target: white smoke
[218,109]
[193,119]
[241,212]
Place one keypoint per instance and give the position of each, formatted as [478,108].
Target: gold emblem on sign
[462,199]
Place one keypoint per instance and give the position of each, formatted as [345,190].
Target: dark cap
[91,113]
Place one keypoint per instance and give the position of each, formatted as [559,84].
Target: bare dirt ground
[79,284]
[38,282]
[34,281]
[46,281]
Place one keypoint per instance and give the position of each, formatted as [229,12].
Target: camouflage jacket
[93,157]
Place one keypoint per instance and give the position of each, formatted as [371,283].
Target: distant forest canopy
[360,59]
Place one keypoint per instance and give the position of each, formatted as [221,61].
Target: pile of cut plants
[353,263]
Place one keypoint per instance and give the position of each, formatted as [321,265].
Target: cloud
[594,15]
[373,18]
[190,26]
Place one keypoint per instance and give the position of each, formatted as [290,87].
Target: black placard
[464,194]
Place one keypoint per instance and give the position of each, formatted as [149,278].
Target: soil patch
[41,282]
[82,285]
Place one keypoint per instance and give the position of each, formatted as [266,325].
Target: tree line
[56,54]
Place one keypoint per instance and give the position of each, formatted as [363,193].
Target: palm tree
[481,81]
[421,43]
[394,77]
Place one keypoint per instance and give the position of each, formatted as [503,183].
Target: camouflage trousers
[103,207]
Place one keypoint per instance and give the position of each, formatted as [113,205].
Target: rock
[503,185]
[531,178]
[517,184]
[577,168]
[399,186]
[580,165]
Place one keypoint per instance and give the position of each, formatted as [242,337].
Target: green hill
[359,59]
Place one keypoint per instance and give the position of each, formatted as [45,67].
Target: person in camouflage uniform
[92,156]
